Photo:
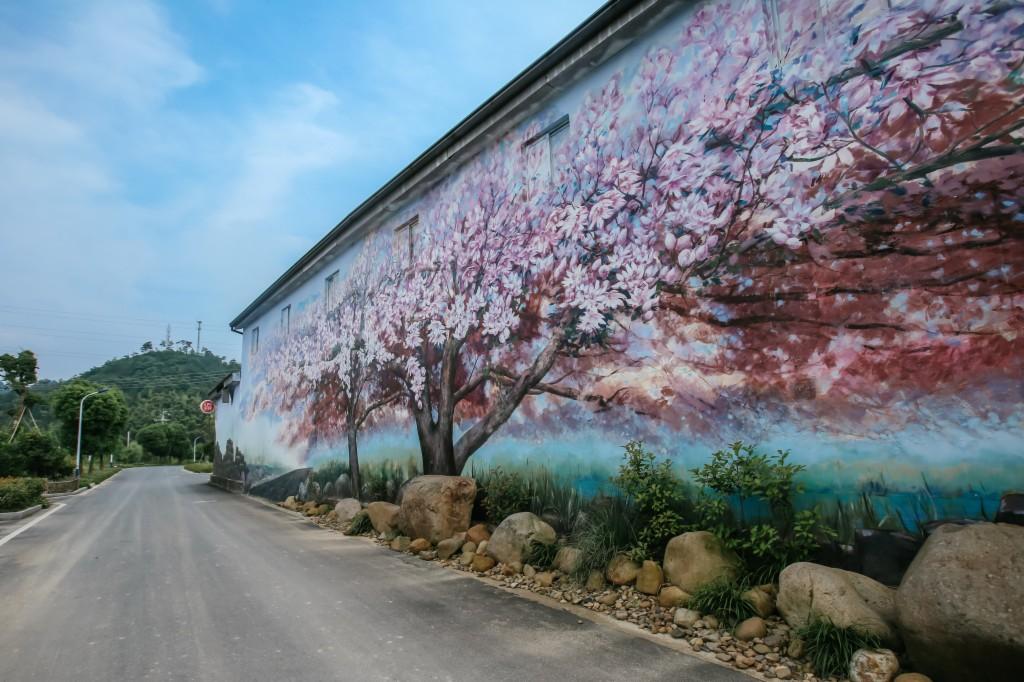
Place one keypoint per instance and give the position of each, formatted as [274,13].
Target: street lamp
[194,448]
[78,446]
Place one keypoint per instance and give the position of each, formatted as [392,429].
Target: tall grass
[605,529]
[830,647]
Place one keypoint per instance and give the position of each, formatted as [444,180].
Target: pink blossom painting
[793,223]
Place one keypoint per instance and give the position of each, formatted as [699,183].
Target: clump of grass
[360,524]
[200,467]
[605,530]
[830,647]
[540,555]
[381,480]
[724,600]
[556,500]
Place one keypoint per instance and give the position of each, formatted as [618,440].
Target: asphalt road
[157,576]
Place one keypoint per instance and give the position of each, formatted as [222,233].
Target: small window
[254,341]
[286,319]
[540,157]
[409,228]
[331,290]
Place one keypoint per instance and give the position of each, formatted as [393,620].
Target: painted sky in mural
[794,223]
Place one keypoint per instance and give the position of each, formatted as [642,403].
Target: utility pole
[199,331]
[168,343]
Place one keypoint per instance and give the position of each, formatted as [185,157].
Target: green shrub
[360,524]
[657,496]
[829,647]
[33,453]
[724,599]
[540,555]
[604,530]
[505,493]
[764,482]
[20,493]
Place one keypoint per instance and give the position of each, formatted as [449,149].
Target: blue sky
[163,163]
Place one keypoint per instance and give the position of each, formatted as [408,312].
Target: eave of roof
[591,27]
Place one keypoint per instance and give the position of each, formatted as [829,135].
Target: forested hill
[159,385]
[162,371]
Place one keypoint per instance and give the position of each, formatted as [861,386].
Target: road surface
[157,576]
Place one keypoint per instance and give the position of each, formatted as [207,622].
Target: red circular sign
[206,407]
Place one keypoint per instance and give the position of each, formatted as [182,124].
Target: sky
[163,163]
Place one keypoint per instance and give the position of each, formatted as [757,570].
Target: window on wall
[540,154]
[286,319]
[331,290]
[407,231]
[254,341]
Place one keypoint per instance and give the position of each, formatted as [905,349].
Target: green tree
[19,372]
[164,440]
[40,454]
[105,416]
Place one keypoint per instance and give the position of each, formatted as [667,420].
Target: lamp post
[78,446]
[194,448]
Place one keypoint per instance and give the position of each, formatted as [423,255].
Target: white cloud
[120,50]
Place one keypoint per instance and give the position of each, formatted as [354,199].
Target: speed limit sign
[206,407]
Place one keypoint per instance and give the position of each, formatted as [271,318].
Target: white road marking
[13,534]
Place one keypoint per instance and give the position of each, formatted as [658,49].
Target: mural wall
[794,223]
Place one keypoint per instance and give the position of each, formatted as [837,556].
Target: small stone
[477,534]
[774,640]
[544,579]
[686,617]
[469,547]
[482,563]
[782,672]
[762,601]
[448,547]
[401,543]
[467,558]
[873,665]
[481,547]
[419,545]
[711,621]
[796,648]
[696,642]
[762,649]
[724,657]
[608,599]
[677,633]
[621,615]
[671,596]
[751,628]
[743,662]
[649,578]
[428,555]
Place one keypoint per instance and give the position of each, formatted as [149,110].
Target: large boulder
[960,605]
[621,570]
[437,507]
[512,538]
[698,558]
[808,591]
[346,509]
[384,516]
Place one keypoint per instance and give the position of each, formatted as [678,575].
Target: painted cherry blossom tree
[821,196]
